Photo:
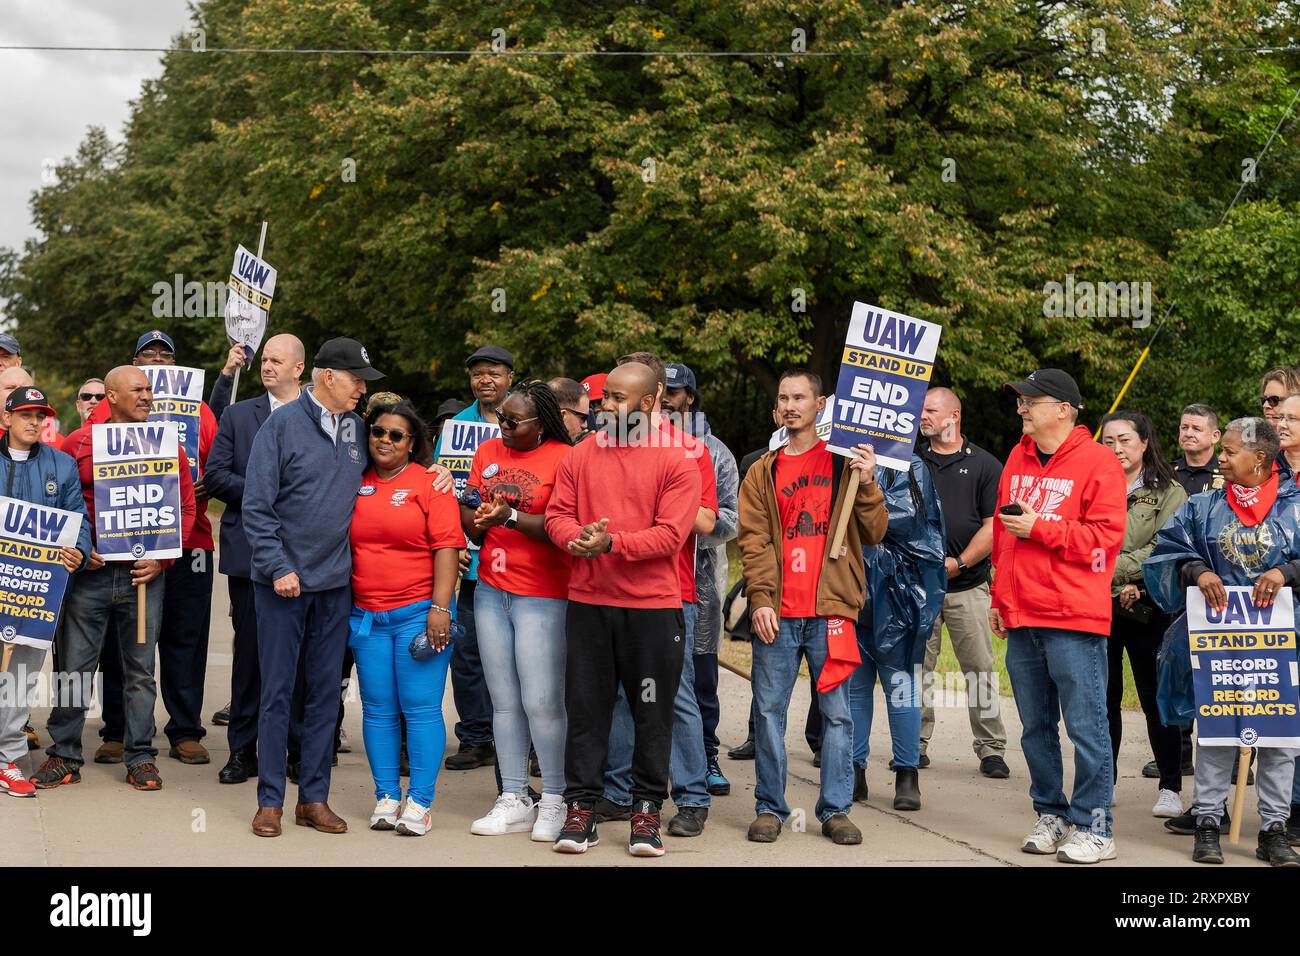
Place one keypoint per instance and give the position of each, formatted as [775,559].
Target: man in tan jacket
[790,503]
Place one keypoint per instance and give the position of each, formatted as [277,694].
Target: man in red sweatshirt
[1058,533]
[623,505]
[104,597]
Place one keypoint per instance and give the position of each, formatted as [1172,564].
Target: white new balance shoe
[510,814]
[385,814]
[550,818]
[1084,846]
[1168,805]
[415,819]
[1048,834]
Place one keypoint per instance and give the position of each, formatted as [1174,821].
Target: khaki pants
[967,615]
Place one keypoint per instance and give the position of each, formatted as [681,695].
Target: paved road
[965,820]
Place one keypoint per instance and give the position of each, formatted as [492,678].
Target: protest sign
[884,375]
[33,579]
[177,396]
[248,298]
[1244,671]
[137,490]
[781,437]
[457,444]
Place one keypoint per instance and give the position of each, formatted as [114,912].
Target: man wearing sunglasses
[491,372]
[575,406]
[89,395]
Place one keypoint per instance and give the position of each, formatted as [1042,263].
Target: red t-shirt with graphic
[510,560]
[803,495]
[396,526]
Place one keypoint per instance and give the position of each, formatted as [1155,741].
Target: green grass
[947,662]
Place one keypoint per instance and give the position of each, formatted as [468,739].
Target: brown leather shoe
[110,751]
[267,821]
[189,751]
[320,817]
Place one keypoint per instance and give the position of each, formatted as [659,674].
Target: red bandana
[842,654]
[1251,505]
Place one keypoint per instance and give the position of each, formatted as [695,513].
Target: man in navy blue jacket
[303,474]
[282,367]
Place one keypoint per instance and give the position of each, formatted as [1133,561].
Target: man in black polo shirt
[1198,433]
[966,477]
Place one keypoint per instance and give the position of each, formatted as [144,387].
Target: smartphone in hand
[1011,509]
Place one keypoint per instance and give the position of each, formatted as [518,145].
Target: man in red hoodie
[1058,533]
[623,505]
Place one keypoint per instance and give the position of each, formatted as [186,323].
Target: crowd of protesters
[575,588]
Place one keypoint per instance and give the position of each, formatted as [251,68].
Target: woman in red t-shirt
[406,540]
[519,606]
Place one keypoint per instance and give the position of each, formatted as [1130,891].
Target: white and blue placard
[136,468]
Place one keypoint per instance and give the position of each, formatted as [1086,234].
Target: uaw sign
[248,298]
[1244,670]
[457,444]
[884,375]
[33,579]
[136,468]
[177,397]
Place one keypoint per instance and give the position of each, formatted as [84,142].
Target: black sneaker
[144,776]
[471,758]
[221,717]
[817,758]
[1206,848]
[1150,770]
[1274,848]
[607,810]
[745,751]
[644,838]
[579,831]
[1185,824]
[994,767]
[688,822]
[55,772]
[1293,825]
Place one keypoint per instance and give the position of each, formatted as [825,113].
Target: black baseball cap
[10,344]
[680,376]
[452,406]
[149,338]
[346,355]
[28,397]
[494,354]
[1049,383]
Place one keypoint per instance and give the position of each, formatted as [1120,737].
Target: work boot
[1274,848]
[907,790]
[189,751]
[266,822]
[110,751]
[471,758]
[859,784]
[765,828]
[841,830]
[688,822]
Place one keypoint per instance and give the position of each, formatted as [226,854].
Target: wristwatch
[513,519]
[961,566]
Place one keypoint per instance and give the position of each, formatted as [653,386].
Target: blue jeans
[902,705]
[1057,673]
[394,683]
[521,642]
[687,764]
[468,688]
[775,669]
[100,600]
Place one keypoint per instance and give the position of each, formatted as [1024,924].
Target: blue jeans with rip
[775,670]
[1057,673]
[393,684]
[522,644]
[688,763]
[902,705]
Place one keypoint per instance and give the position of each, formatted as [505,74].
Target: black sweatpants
[1142,641]
[641,649]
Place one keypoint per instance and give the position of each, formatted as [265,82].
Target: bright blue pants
[393,685]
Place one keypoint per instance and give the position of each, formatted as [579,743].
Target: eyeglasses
[157,353]
[514,422]
[1026,403]
[1272,401]
[394,434]
[90,396]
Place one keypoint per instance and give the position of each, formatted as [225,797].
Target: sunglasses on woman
[513,423]
[395,435]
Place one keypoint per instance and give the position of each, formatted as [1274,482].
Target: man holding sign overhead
[44,537]
[135,481]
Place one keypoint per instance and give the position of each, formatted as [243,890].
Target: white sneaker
[1168,805]
[550,818]
[385,815]
[1084,846]
[414,820]
[1048,834]
[510,814]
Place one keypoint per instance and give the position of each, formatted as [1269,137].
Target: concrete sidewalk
[965,819]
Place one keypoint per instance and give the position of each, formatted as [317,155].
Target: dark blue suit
[224,480]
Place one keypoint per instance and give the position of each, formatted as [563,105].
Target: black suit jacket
[224,478]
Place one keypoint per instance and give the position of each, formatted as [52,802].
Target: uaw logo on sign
[1244,670]
[33,579]
[178,397]
[248,299]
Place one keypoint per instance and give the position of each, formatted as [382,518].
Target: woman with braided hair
[520,604]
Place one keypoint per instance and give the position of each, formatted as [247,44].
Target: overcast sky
[52,97]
